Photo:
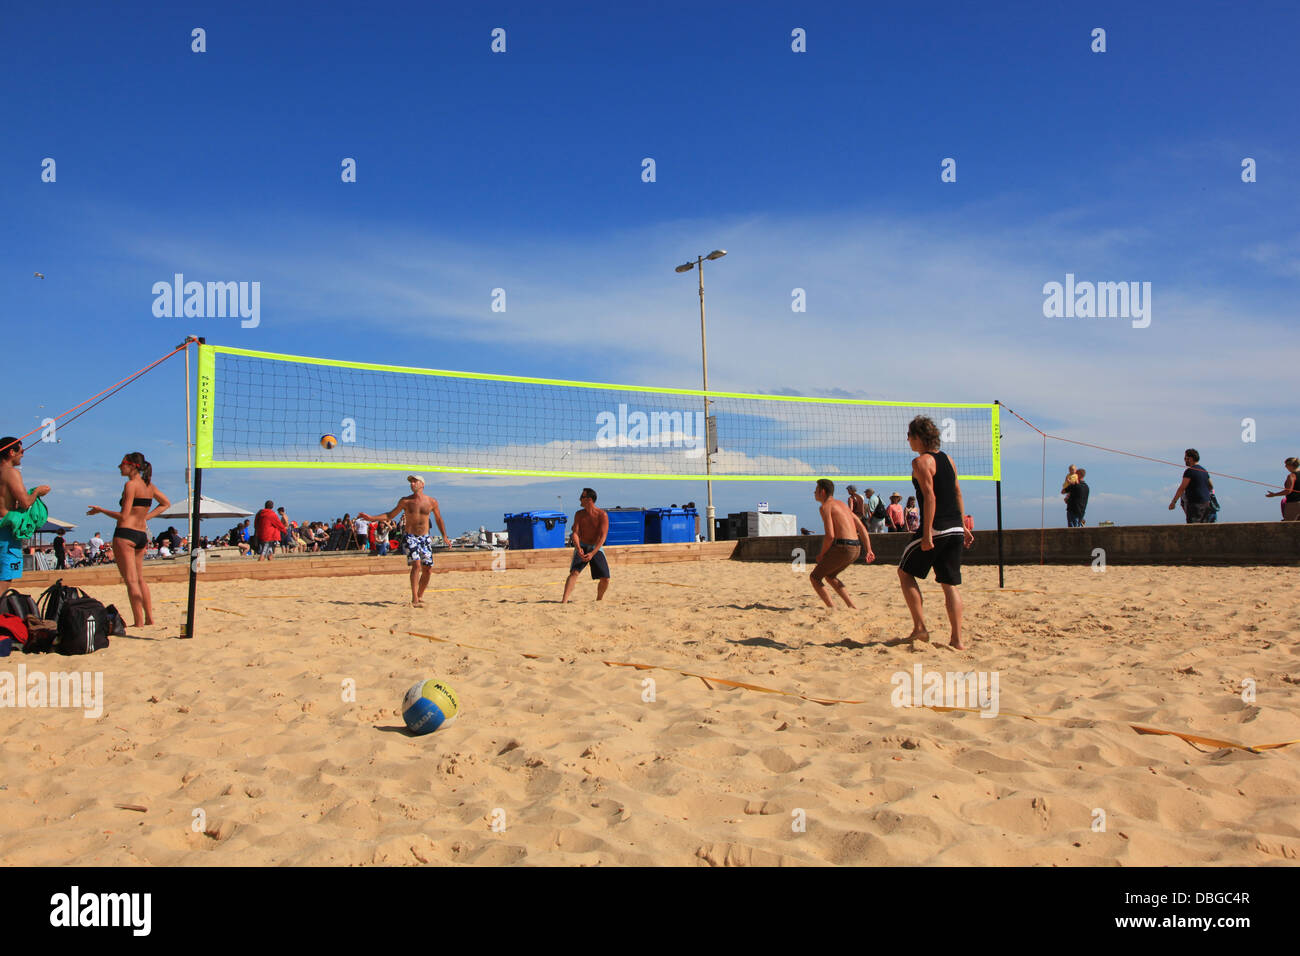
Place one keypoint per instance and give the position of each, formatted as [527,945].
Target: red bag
[11,625]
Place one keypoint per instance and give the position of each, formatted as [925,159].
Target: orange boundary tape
[1139,728]
[1192,739]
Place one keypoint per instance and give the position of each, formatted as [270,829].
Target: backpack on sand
[83,626]
[54,597]
[12,602]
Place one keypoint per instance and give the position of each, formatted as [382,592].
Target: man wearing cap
[856,504]
[894,513]
[873,504]
[417,506]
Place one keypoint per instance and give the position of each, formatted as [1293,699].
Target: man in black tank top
[943,534]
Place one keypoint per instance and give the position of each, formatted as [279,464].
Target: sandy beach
[243,749]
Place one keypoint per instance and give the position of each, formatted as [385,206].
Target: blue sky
[522,171]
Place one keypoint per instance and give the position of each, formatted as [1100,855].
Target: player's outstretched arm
[390,515]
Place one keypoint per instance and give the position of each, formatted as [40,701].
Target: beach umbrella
[52,526]
[208,508]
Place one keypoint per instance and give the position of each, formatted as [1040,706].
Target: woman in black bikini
[130,537]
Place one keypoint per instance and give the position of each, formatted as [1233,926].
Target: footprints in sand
[577,767]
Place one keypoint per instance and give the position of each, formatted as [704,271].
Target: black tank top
[946,513]
[1294,494]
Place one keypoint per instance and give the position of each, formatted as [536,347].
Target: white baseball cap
[418,478]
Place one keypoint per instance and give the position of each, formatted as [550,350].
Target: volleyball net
[267,410]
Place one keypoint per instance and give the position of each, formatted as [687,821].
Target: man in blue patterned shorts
[419,549]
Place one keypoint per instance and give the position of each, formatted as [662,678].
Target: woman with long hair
[131,535]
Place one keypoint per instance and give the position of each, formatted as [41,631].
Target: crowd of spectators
[341,534]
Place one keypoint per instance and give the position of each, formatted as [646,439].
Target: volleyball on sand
[429,705]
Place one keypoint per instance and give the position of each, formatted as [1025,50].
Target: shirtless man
[590,528]
[13,496]
[845,537]
[419,549]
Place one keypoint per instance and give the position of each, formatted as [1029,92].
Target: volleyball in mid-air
[328,441]
[428,705]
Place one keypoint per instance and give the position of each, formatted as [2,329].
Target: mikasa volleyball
[428,705]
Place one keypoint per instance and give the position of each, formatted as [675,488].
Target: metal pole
[997,458]
[1001,577]
[194,537]
[189,450]
[704,351]
[195,511]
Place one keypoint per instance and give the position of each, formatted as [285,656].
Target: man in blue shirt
[1195,490]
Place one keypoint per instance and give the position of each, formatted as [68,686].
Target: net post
[1001,575]
[997,474]
[194,548]
[196,498]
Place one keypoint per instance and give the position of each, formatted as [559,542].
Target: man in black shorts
[590,528]
[943,533]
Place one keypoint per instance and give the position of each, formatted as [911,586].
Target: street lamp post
[698,265]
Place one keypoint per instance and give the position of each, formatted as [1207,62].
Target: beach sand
[243,749]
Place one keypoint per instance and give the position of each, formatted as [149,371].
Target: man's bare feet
[957,644]
[916,635]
